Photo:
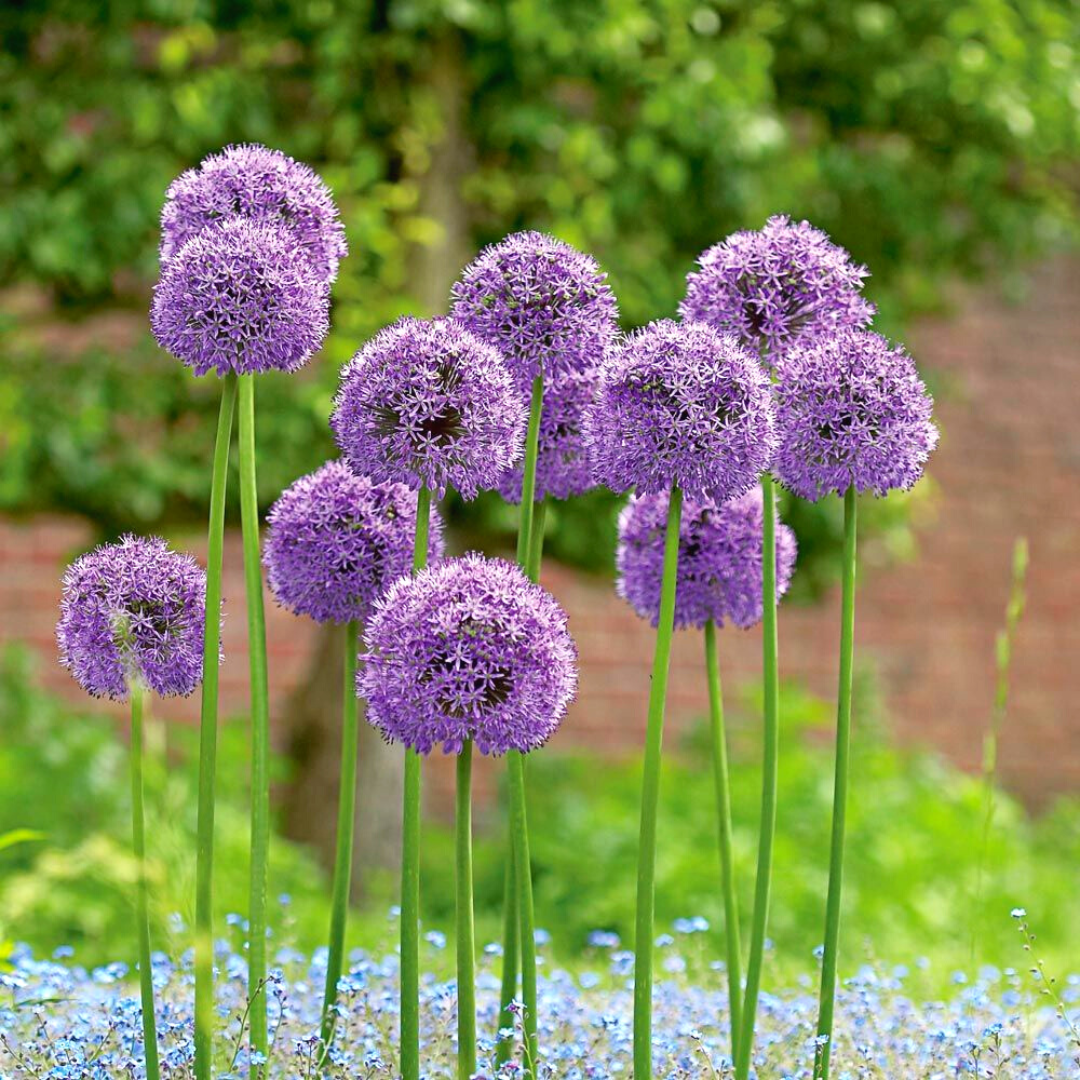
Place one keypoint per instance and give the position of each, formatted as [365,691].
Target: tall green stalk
[260,722]
[204,862]
[519,825]
[840,793]
[528,474]
[142,900]
[723,813]
[536,540]
[345,827]
[650,798]
[410,857]
[769,771]
[1003,651]
[466,936]
[528,557]
[508,990]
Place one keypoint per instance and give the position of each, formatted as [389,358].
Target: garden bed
[59,1020]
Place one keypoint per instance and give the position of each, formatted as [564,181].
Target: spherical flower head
[852,410]
[773,287]
[131,613]
[720,559]
[336,541]
[261,185]
[468,649]
[427,403]
[546,306]
[678,404]
[563,468]
[238,297]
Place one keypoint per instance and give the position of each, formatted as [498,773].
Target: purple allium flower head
[133,612]
[261,185]
[719,575]
[546,306]
[563,468]
[238,297]
[337,540]
[679,404]
[468,649]
[852,410]
[773,287]
[427,403]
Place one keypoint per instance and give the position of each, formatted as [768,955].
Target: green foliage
[126,443]
[913,883]
[931,138]
[64,775]
[915,837]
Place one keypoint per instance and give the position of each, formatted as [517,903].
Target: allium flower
[468,649]
[261,185]
[337,540]
[680,405]
[426,402]
[852,410]
[133,612]
[719,574]
[546,306]
[771,288]
[237,297]
[563,469]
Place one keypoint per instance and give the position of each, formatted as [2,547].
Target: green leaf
[19,836]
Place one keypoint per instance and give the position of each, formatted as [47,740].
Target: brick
[1008,463]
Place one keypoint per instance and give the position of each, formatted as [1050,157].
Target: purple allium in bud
[563,469]
[678,404]
[773,287]
[543,304]
[720,549]
[427,403]
[336,541]
[261,185]
[468,649]
[132,613]
[852,410]
[237,297]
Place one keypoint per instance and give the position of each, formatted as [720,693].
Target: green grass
[914,843]
[914,847]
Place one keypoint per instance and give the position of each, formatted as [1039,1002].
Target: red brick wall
[1008,464]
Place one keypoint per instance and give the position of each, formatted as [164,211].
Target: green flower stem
[650,797]
[345,828]
[142,900]
[410,857]
[508,991]
[723,812]
[410,919]
[527,920]
[528,558]
[536,540]
[466,936]
[204,863]
[528,475]
[840,791]
[260,721]
[510,907]
[770,763]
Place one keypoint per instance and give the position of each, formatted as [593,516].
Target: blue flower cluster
[59,1020]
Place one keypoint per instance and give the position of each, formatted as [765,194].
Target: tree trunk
[313,721]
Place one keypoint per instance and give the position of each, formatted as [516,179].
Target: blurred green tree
[932,138]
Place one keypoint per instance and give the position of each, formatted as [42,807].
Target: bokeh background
[936,139]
